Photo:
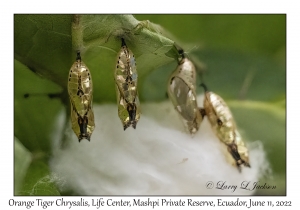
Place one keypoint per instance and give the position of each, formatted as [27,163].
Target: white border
[154,6]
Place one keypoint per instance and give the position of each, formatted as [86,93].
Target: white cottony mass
[157,158]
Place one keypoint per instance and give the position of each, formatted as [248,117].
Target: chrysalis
[224,126]
[182,92]
[80,90]
[126,79]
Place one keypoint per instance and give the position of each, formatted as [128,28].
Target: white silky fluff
[158,158]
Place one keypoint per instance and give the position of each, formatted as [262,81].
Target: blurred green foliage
[246,33]
[243,60]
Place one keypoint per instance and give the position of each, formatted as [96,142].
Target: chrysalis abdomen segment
[224,126]
[182,93]
[126,79]
[80,87]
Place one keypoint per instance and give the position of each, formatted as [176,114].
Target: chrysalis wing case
[182,92]
[224,126]
[80,90]
[126,79]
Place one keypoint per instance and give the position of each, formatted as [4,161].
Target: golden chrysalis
[126,80]
[224,126]
[182,92]
[80,90]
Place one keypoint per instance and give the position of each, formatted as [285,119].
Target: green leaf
[47,44]
[255,33]
[22,161]
[44,44]
[38,180]
[34,116]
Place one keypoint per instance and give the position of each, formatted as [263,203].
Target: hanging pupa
[182,93]
[126,80]
[80,89]
[224,126]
